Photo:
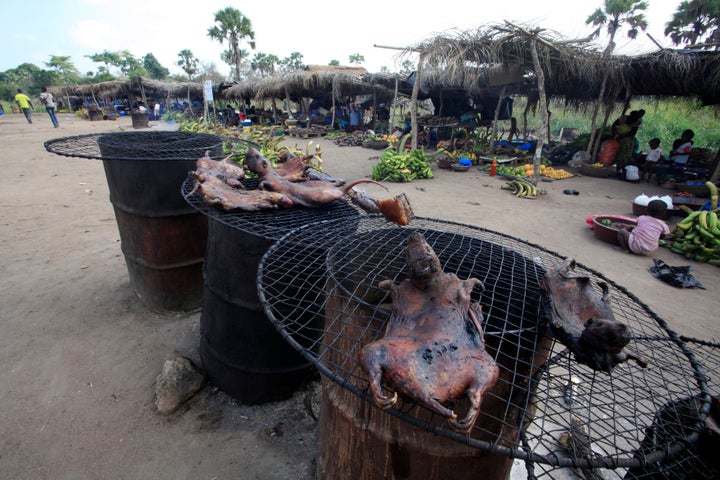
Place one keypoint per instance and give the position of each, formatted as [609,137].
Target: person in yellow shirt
[24,103]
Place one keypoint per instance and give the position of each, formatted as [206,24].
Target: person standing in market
[23,101]
[47,99]
[383,116]
[624,130]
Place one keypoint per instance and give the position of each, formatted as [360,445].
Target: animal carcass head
[421,260]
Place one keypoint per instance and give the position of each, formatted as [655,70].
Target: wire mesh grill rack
[161,145]
[318,285]
[271,224]
[675,425]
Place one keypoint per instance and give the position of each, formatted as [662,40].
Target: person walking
[23,101]
[47,99]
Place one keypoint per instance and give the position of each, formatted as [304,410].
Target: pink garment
[644,237]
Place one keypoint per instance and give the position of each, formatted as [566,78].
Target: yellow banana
[703,219]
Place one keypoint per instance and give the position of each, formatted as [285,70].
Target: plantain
[713,194]
[702,219]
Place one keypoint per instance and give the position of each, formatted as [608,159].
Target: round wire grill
[674,423]
[271,224]
[318,285]
[161,145]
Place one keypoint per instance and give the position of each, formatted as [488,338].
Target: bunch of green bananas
[398,166]
[697,236]
[521,188]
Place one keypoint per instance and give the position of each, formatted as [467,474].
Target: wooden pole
[413,102]
[493,133]
[394,105]
[543,108]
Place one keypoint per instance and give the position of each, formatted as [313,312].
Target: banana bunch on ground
[401,165]
[697,236]
[521,188]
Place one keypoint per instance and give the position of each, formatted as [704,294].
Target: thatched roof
[572,69]
[133,88]
[315,81]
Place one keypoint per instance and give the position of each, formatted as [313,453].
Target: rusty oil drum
[360,441]
[242,352]
[162,237]
[140,120]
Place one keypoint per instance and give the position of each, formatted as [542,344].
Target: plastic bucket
[162,237]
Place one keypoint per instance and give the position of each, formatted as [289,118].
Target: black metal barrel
[162,238]
[242,352]
[140,120]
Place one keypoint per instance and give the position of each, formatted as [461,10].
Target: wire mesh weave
[161,145]
[318,285]
[271,224]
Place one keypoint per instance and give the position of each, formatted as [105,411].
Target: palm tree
[233,26]
[264,63]
[188,63]
[615,14]
[693,21]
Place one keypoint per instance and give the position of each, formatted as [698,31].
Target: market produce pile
[527,170]
[697,236]
[398,164]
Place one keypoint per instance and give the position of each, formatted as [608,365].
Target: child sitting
[644,237]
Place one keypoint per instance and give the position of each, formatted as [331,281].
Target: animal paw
[463,425]
[386,402]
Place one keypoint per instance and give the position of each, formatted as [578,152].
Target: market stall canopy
[312,82]
[136,87]
[496,57]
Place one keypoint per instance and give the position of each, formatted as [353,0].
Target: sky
[321,31]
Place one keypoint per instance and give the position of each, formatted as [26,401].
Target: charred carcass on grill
[231,174]
[583,320]
[218,193]
[310,193]
[220,184]
[313,193]
[433,351]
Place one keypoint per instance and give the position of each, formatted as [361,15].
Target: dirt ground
[80,353]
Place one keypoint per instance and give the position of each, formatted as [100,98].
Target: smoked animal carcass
[583,320]
[433,351]
[315,193]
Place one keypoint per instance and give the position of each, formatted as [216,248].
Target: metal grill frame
[668,355]
[152,145]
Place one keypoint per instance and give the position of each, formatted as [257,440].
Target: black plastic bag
[676,276]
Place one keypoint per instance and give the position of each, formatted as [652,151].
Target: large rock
[179,380]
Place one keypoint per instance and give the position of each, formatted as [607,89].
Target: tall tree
[696,23]
[264,64]
[614,15]
[188,63]
[107,59]
[154,68]
[130,65]
[232,26]
[66,71]
[356,59]
[293,62]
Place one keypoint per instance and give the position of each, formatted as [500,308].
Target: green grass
[664,119]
